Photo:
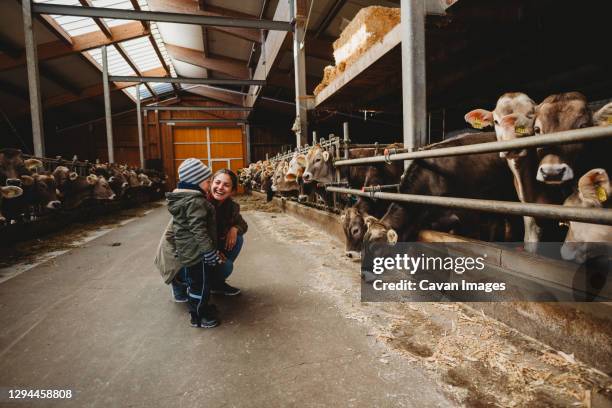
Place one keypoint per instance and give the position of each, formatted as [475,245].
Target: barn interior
[83,308]
[475,52]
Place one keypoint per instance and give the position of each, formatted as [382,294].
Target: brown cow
[478,175]
[581,242]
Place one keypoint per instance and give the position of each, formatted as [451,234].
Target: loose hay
[477,360]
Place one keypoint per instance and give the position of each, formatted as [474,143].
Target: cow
[542,175]
[280,183]
[581,242]
[8,193]
[353,218]
[476,175]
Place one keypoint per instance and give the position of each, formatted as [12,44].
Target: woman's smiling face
[221,187]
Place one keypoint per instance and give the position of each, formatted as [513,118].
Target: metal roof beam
[177,18]
[191,7]
[229,66]
[273,45]
[217,94]
[80,43]
[199,108]
[184,120]
[182,80]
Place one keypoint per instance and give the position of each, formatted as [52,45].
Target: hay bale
[367,28]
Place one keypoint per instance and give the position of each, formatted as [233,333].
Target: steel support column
[139,124]
[247,129]
[299,66]
[107,106]
[413,74]
[38,137]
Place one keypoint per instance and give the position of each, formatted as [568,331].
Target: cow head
[378,232]
[354,226]
[45,191]
[513,117]
[101,188]
[558,113]
[12,166]
[319,166]
[297,165]
[594,191]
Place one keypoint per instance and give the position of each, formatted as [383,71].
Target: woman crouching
[230,229]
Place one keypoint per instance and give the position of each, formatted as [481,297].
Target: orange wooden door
[219,148]
[189,142]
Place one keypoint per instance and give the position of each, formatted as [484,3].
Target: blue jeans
[225,269]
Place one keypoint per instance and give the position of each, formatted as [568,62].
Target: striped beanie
[193,171]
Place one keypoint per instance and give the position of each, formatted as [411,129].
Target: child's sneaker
[225,289]
[207,321]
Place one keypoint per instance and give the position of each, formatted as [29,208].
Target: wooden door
[219,148]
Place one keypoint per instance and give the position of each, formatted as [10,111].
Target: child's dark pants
[198,280]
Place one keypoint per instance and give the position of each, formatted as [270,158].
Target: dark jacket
[228,215]
[193,225]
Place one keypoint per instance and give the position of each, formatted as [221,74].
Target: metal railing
[567,137]
[560,212]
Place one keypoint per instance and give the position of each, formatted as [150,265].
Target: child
[194,231]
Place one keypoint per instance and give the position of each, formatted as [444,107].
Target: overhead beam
[91,92]
[183,80]
[136,5]
[216,94]
[270,51]
[177,18]
[187,120]
[99,22]
[199,108]
[229,66]
[80,43]
[191,7]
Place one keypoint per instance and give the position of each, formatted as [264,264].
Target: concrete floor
[98,320]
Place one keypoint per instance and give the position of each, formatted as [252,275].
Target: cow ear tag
[602,196]
[477,124]
[521,130]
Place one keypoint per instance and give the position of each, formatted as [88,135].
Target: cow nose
[355,231]
[307,176]
[54,205]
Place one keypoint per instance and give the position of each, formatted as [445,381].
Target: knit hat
[193,171]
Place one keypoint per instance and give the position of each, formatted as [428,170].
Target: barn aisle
[99,321]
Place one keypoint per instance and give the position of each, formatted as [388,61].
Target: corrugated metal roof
[139,50]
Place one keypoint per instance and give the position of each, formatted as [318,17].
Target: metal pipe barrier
[560,212]
[567,137]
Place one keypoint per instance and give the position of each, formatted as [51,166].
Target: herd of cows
[571,174]
[32,187]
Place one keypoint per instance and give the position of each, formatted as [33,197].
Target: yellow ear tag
[602,196]
[521,130]
[609,119]
[477,124]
